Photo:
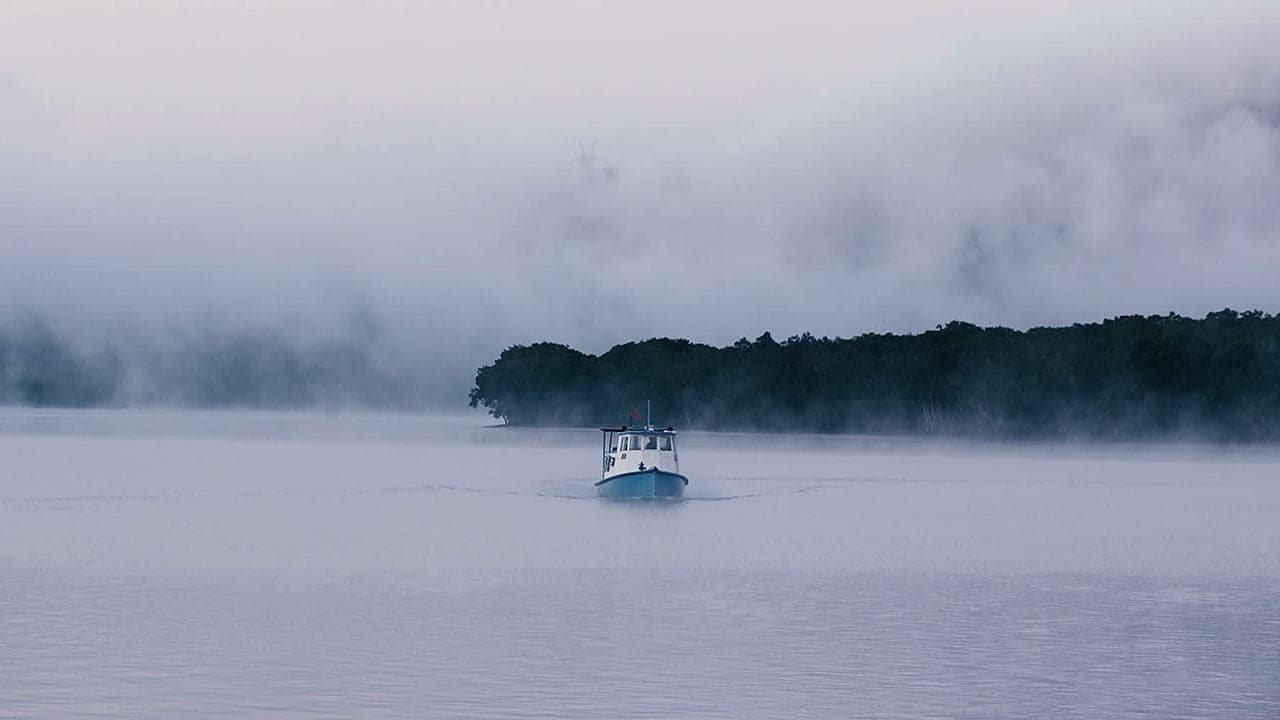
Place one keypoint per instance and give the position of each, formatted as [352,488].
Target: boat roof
[641,430]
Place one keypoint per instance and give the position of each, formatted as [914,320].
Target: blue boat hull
[643,484]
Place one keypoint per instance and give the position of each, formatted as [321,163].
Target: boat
[640,463]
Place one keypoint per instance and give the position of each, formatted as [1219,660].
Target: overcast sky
[303,168]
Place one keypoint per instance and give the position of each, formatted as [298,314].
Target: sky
[405,171]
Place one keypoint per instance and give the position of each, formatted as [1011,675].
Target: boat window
[666,442]
[651,442]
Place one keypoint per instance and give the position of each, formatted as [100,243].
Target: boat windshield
[644,442]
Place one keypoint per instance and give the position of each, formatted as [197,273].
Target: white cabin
[628,450]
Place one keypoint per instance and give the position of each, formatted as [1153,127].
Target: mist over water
[294,565]
[351,209]
[1020,172]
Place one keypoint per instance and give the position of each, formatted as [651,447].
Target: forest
[1130,377]
[40,368]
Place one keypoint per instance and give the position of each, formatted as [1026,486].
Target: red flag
[635,414]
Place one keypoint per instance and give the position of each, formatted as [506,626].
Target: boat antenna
[648,413]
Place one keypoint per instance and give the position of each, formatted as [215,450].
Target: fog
[415,189]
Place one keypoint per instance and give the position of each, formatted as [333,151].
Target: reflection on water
[196,565]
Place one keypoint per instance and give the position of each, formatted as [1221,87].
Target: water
[273,565]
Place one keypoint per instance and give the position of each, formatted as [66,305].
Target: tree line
[40,368]
[1130,377]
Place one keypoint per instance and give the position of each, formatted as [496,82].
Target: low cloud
[1040,183]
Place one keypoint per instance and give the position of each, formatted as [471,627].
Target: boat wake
[565,493]
[569,489]
[767,493]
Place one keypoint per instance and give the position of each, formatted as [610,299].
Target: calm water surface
[272,565]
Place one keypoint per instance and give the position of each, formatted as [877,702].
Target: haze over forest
[384,199]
